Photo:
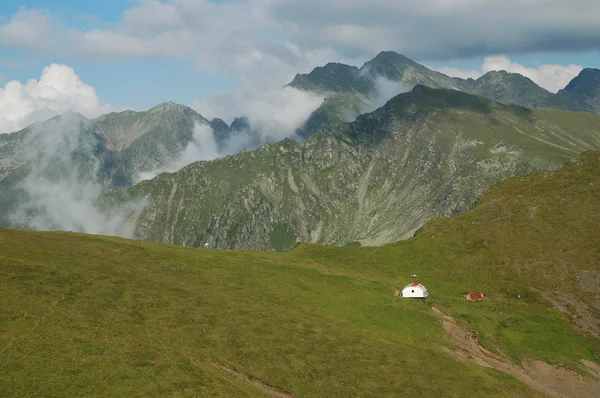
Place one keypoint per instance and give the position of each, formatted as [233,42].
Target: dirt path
[264,387]
[552,380]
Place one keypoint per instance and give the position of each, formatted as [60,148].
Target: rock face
[351,91]
[137,142]
[426,153]
[513,88]
[584,90]
[88,156]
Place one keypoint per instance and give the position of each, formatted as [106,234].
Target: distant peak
[219,124]
[502,76]
[240,124]
[501,72]
[167,106]
[71,113]
[390,55]
[71,116]
[586,83]
[590,71]
[334,67]
[421,88]
[425,98]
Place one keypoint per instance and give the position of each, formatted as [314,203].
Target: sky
[95,57]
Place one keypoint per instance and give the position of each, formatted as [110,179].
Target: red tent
[475,296]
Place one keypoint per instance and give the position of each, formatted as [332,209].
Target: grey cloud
[278,37]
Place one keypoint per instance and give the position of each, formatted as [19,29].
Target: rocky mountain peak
[168,106]
[587,83]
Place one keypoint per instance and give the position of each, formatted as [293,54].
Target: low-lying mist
[62,187]
[272,116]
[65,181]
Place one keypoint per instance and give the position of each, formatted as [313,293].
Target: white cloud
[275,113]
[419,28]
[270,39]
[30,29]
[203,146]
[550,77]
[58,90]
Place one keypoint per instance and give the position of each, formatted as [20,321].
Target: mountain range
[426,153]
[372,169]
[351,90]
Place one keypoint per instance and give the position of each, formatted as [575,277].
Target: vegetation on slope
[425,153]
[94,315]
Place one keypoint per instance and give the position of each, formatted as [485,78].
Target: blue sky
[140,83]
[228,40]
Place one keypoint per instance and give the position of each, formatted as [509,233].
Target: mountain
[61,146]
[513,88]
[80,158]
[94,315]
[144,141]
[426,153]
[395,67]
[236,137]
[584,90]
[351,90]
[333,77]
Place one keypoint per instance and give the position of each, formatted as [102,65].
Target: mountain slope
[584,90]
[145,141]
[426,153]
[92,315]
[58,167]
[395,67]
[513,88]
[351,91]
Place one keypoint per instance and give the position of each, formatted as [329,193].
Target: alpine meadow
[300,199]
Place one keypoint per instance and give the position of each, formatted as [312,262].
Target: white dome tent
[414,290]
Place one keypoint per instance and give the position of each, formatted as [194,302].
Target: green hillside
[92,315]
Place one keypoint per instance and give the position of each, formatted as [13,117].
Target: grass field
[92,315]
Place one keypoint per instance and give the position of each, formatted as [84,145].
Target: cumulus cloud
[550,77]
[58,90]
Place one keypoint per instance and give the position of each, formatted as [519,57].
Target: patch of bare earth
[555,381]
[261,385]
[584,316]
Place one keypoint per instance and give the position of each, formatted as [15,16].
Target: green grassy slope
[105,316]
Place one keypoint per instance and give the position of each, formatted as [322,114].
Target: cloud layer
[58,90]
[550,77]
[238,35]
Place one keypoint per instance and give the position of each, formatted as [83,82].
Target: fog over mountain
[55,172]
